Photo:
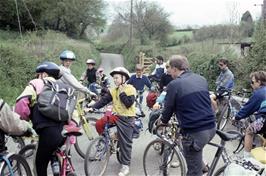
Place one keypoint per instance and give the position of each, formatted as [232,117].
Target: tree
[148,18]
[69,16]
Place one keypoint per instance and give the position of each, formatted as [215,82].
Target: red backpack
[151,98]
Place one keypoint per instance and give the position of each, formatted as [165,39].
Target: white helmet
[121,71]
[91,61]
[67,55]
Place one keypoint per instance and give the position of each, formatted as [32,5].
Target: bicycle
[87,124]
[62,154]
[101,148]
[13,164]
[163,156]
[228,106]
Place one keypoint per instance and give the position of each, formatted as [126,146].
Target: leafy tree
[149,21]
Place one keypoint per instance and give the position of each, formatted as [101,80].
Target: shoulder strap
[2,104]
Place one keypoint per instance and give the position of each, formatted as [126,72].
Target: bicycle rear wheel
[83,141]
[97,157]
[19,166]
[220,171]
[28,150]
[223,117]
[161,158]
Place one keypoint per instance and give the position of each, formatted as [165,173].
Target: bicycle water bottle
[55,166]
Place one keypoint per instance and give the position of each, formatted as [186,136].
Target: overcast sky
[201,12]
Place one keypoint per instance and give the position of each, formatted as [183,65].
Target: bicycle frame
[4,158]
[65,157]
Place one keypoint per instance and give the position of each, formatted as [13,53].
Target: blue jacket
[139,83]
[256,103]
[188,96]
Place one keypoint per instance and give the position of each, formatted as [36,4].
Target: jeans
[193,144]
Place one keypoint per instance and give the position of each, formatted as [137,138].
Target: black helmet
[50,68]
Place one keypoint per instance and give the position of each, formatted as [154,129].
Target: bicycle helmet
[91,61]
[67,54]
[50,68]
[122,71]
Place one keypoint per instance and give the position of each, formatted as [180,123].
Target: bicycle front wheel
[97,157]
[161,158]
[223,117]
[83,141]
[18,166]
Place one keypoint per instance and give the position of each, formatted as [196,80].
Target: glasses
[252,82]
[221,65]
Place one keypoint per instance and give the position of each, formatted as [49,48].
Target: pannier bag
[56,101]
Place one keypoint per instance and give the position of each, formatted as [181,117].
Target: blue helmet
[67,54]
[50,68]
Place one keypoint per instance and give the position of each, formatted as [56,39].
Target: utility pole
[131,23]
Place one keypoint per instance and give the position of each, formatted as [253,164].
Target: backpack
[56,101]
[151,98]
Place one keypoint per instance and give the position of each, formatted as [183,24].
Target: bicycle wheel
[161,158]
[97,157]
[19,166]
[83,141]
[223,117]
[28,150]
[220,171]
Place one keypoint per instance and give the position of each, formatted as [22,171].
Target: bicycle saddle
[70,130]
[227,136]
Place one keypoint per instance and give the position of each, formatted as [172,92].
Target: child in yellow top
[123,98]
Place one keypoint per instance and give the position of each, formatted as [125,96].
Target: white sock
[247,154]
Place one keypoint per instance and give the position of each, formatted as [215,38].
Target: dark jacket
[139,83]
[91,75]
[188,97]
[165,79]
[254,104]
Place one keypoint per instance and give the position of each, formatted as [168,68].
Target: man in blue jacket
[256,103]
[188,97]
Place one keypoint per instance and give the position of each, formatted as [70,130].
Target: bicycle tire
[220,171]
[164,159]
[19,166]
[98,151]
[83,141]
[28,150]
[223,117]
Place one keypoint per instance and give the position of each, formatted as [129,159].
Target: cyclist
[224,82]
[49,131]
[102,79]
[67,57]
[123,98]
[188,97]
[159,69]
[256,103]
[139,80]
[166,78]
[90,75]
[11,124]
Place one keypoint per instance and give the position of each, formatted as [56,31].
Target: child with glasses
[256,103]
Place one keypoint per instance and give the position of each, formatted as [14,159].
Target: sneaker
[124,170]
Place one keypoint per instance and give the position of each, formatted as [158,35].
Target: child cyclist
[49,131]
[123,98]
